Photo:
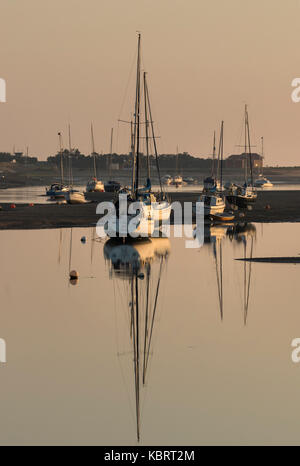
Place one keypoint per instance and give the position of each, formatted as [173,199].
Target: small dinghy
[222,217]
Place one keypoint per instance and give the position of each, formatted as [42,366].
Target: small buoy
[73,281]
[12,206]
[83,240]
[268,207]
[74,275]
[31,204]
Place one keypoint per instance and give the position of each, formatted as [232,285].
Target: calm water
[190,346]
[36,194]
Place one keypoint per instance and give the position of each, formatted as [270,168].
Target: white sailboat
[73,196]
[152,208]
[140,267]
[94,185]
[212,197]
[262,181]
[59,189]
[177,180]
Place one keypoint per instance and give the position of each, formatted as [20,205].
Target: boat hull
[241,201]
[75,198]
[161,211]
[95,186]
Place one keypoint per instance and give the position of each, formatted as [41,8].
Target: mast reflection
[140,266]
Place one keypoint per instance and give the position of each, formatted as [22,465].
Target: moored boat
[212,197]
[151,208]
[94,185]
[59,189]
[243,196]
[75,197]
[262,181]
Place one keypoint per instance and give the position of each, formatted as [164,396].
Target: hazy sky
[70,60]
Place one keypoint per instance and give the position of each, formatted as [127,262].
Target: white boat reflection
[137,270]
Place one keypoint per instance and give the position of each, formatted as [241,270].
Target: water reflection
[140,265]
[246,234]
[241,233]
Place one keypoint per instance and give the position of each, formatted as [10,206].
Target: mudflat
[271,206]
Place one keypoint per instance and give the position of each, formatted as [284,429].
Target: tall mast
[147,129]
[249,148]
[262,155]
[61,159]
[70,161]
[111,151]
[177,151]
[132,131]
[220,156]
[154,139]
[93,150]
[246,159]
[214,156]
[137,115]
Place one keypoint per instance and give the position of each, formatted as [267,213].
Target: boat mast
[93,150]
[137,116]
[220,157]
[213,157]
[249,147]
[70,161]
[111,152]
[132,131]
[61,159]
[222,153]
[147,130]
[154,138]
[262,155]
[246,159]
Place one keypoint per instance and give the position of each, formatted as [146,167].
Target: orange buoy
[31,204]
[12,206]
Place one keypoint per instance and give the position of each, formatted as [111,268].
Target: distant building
[238,161]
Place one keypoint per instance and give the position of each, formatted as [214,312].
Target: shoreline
[271,207]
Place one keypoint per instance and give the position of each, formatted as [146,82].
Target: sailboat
[111,186]
[140,266]
[59,189]
[243,196]
[73,196]
[210,183]
[94,185]
[213,199]
[262,181]
[177,180]
[151,207]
